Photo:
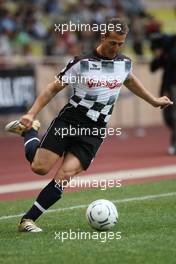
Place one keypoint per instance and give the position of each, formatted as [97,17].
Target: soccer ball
[102,215]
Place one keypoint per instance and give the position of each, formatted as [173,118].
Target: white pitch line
[79,181]
[132,199]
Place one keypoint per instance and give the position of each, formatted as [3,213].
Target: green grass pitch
[147,226]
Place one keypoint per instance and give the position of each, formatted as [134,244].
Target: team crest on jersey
[94,67]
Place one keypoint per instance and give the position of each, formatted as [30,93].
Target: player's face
[111,44]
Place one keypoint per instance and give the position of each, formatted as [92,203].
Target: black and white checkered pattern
[95,110]
[96,101]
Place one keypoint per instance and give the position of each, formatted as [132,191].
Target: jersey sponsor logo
[110,84]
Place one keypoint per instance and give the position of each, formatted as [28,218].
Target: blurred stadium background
[28,42]
[32,53]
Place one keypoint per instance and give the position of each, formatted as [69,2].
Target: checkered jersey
[96,83]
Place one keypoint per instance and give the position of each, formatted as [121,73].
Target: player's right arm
[42,100]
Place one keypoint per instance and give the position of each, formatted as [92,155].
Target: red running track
[115,154]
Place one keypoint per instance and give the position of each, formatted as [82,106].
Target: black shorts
[60,140]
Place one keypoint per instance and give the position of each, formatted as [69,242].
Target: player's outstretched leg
[31,140]
[47,197]
[50,194]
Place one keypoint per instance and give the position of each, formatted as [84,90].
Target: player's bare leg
[71,166]
[51,193]
[43,161]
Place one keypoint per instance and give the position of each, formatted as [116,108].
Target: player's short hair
[119,25]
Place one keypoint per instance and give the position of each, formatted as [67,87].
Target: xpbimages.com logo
[103,132]
[107,80]
[83,235]
[72,27]
[77,182]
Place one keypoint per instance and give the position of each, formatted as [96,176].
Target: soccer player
[89,107]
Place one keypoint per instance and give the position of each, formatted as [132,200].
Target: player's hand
[27,120]
[162,102]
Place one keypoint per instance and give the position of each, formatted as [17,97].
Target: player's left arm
[135,86]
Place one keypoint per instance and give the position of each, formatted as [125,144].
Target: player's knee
[67,174]
[39,168]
